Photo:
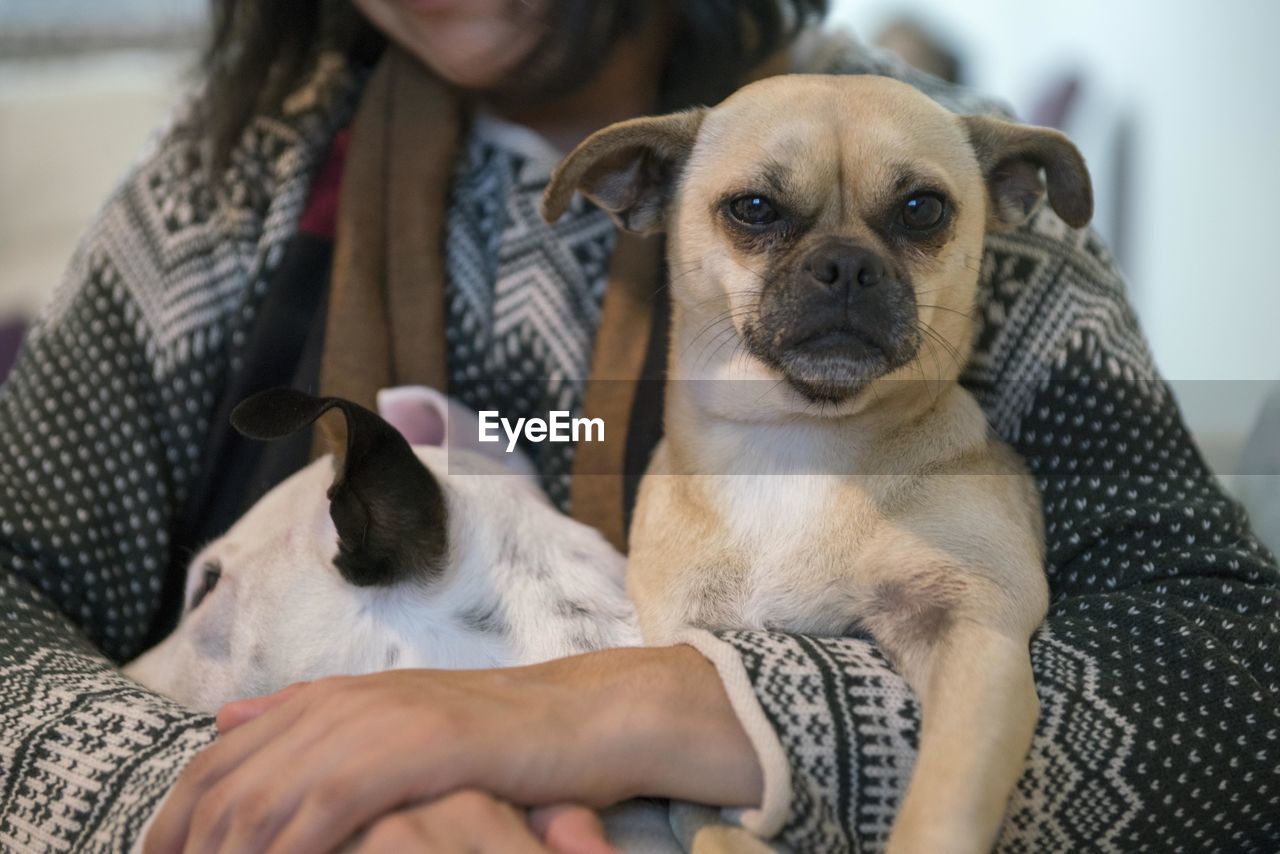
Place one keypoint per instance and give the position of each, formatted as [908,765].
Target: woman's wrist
[666,719]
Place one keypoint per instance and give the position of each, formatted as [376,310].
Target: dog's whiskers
[935,290]
[727,316]
[672,279]
[937,383]
[726,336]
[939,341]
[944,308]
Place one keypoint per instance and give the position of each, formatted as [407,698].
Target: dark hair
[260,50]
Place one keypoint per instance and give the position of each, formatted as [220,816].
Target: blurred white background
[1174,104]
[82,85]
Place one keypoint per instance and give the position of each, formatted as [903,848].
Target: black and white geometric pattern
[85,751]
[1058,293]
[524,296]
[1157,666]
[845,790]
[1057,804]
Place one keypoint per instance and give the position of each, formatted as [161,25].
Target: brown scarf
[386,320]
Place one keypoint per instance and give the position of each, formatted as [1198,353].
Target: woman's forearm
[669,726]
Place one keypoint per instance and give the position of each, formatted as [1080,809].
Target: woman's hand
[471,821]
[305,769]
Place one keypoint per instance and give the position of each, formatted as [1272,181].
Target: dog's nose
[838,265]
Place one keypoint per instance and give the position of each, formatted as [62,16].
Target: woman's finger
[239,712]
[461,823]
[570,829]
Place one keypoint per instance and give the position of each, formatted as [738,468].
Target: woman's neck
[627,85]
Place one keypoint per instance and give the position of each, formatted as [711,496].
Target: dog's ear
[388,508]
[629,169]
[418,413]
[424,416]
[1012,156]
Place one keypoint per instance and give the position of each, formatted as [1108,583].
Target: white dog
[387,556]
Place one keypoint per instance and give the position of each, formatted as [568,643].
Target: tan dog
[823,472]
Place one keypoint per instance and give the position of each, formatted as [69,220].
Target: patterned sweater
[1156,667]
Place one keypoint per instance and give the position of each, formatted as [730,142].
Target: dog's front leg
[979,709]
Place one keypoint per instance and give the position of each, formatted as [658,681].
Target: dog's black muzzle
[839,320]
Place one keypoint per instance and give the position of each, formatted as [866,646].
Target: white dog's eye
[209,575]
[753,210]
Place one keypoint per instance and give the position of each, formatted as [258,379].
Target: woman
[204,280]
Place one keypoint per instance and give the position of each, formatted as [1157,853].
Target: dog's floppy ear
[629,169]
[388,508]
[1011,157]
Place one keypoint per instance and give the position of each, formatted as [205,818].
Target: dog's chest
[793,553]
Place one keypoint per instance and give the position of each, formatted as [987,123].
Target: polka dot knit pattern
[1156,668]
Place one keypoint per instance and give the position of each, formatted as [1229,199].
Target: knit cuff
[768,819]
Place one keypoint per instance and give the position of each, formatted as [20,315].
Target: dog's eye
[923,212]
[211,572]
[753,210]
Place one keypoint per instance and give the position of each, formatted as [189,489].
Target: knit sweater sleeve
[1160,696]
[102,425]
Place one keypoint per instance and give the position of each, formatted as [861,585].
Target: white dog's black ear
[388,508]
[629,169]
[1011,157]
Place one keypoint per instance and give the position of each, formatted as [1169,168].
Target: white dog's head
[382,556]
